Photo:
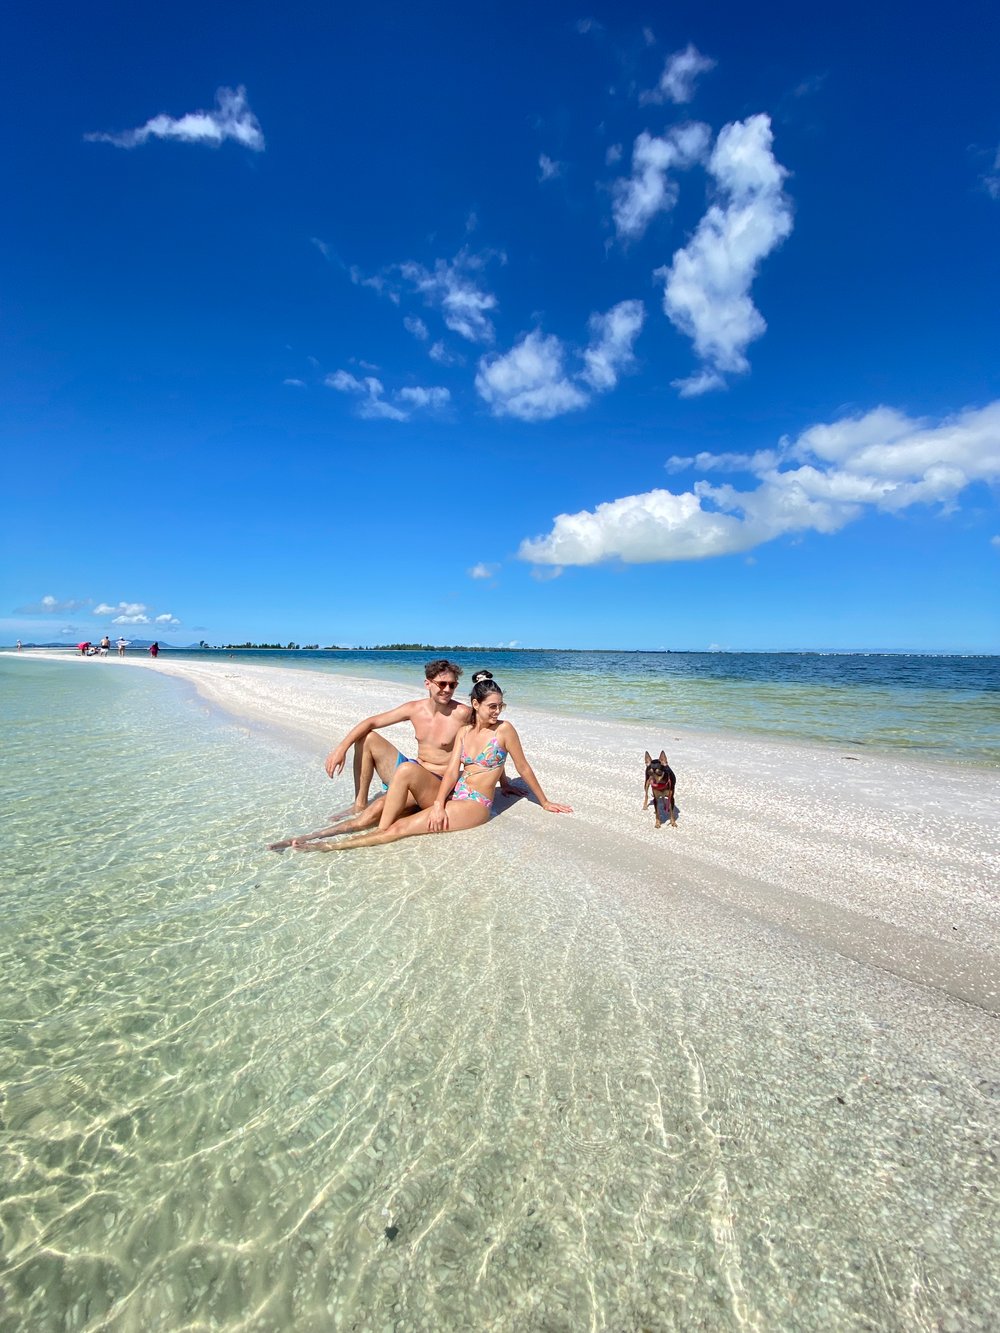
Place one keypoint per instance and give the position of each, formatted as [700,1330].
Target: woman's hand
[555,809]
[437,819]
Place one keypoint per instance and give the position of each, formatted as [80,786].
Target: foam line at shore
[889,862]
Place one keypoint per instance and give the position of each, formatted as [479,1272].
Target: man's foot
[280,846]
[348,812]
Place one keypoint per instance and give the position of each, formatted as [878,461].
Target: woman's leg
[368,818]
[461,815]
[411,785]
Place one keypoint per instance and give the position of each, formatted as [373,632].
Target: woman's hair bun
[482,675]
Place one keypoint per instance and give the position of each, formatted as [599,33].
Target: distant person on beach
[84,647]
[462,798]
[154,649]
[122,645]
[105,646]
[19,645]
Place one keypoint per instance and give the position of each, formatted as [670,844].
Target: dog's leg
[671,807]
[645,802]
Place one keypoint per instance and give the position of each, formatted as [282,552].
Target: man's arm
[336,758]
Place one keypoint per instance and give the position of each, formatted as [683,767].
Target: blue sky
[555,325]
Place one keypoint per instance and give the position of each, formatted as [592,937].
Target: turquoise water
[936,706]
[441,1087]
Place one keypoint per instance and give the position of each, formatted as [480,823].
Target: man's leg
[376,755]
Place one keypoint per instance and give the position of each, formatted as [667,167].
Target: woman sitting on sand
[465,797]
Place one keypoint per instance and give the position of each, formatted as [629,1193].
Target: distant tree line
[427,648]
[281,647]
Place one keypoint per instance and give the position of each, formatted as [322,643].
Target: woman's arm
[511,742]
[437,820]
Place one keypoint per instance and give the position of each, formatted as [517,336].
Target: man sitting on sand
[436,722]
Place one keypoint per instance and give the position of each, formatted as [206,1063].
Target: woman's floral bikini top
[492,755]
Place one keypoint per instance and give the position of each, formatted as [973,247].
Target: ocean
[945,707]
[448,1087]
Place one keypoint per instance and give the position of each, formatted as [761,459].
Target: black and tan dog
[661,781]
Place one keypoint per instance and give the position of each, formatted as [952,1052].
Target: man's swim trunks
[403,759]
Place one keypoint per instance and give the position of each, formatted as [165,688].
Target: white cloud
[648,191]
[707,286]
[613,154]
[377,282]
[439,353]
[991,180]
[678,78]
[369,392]
[529,381]
[167,619]
[51,606]
[450,287]
[430,398]
[482,571]
[373,406]
[231,119]
[122,608]
[834,472]
[611,339]
[294,383]
[415,325]
[706,462]
[131,620]
[548,168]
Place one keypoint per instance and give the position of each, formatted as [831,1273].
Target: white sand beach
[891,862]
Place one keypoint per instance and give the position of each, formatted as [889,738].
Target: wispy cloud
[452,288]
[231,119]
[482,571]
[548,168]
[415,325]
[707,285]
[51,606]
[649,190]
[293,383]
[991,179]
[612,337]
[372,403]
[680,73]
[122,609]
[369,391]
[829,476]
[433,398]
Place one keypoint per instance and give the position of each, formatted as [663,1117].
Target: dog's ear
[648,757]
[663,756]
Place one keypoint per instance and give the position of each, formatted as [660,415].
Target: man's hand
[437,820]
[335,761]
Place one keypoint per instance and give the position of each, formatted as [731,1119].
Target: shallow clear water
[438,1086]
[940,706]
